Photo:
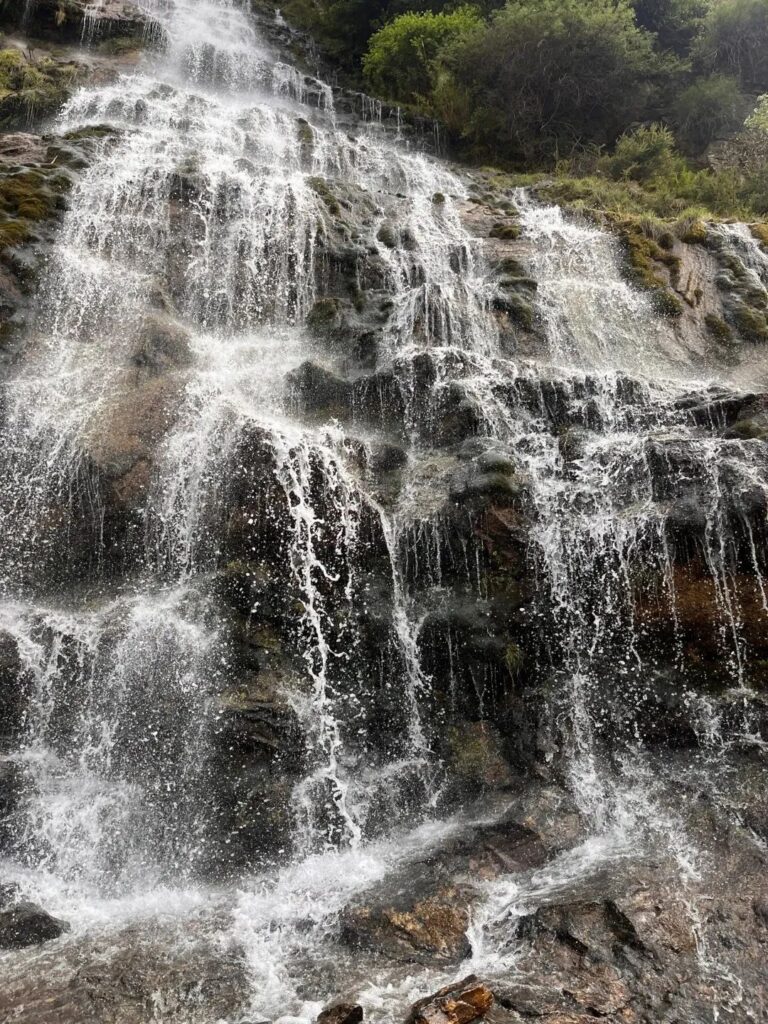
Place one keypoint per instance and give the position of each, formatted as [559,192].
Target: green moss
[387,236]
[13,233]
[30,88]
[476,754]
[511,267]
[646,256]
[760,232]
[27,198]
[438,199]
[321,187]
[118,46]
[719,329]
[666,303]
[751,324]
[323,313]
[513,659]
[304,131]
[506,231]
[518,309]
[692,231]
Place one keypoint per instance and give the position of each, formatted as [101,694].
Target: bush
[734,40]
[402,57]
[643,154]
[707,109]
[758,119]
[549,75]
[675,23]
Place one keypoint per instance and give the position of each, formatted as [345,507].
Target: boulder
[163,345]
[125,437]
[25,924]
[459,1003]
[341,1013]
[421,923]
[317,392]
[143,975]
[422,914]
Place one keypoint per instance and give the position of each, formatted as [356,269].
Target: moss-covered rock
[321,187]
[507,231]
[33,87]
[718,329]
[692,232]
[751,323]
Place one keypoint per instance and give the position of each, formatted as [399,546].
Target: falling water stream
[201,212]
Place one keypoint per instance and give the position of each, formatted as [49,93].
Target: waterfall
[242,607]
[223,284]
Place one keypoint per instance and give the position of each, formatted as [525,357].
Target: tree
[675,23]
[734,40]
[403,56]
[707,109]
[549,75]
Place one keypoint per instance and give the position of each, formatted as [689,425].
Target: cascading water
[229,277]
[190,272]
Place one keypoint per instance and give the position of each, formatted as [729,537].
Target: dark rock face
[341,1013]
[25,924]
[67,19]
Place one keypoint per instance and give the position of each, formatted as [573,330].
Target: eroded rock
[459,1003]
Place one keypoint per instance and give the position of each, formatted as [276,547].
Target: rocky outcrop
[132,984]
[73,19]
[460,1003]
[422,915]
[25,924]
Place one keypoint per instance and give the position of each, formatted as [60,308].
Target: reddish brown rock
[460,1003]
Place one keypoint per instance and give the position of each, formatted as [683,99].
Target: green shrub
[402,57]
[706,109]
[734,40]
[642,154]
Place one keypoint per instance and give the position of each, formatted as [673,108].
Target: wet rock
[12,691]
[316,391]
[21,148]
[70,19]
[422,923]
[256,717]
[341,1013]
[163,345]
[124,441]
[25,924]
[477,756]
[459,1003]
[12,786]
[139,977]
[421,915]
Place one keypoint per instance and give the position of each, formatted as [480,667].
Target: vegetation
[622,99]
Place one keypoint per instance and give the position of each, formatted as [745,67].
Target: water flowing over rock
[383,575]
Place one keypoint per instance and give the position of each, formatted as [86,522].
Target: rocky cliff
[384,557]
